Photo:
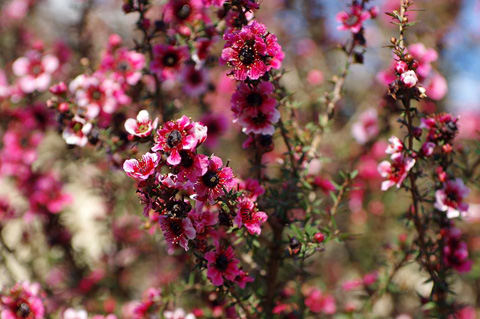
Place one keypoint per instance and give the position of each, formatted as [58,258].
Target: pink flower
[442,128]
[424,57]
[191,166]
[315,77]
[71,313]
[4,87]
[22,301]
[168,60]
[428,148]
[436,87]
[395,145]
[150,303]
[194,80]
[35,71]
[252,100]
[409,79]
[126,66]
[396,171]
[76,133]
[221,265]
[211,185]
[261,123]
[317,302]
[465,313]
[252,51]
[179,313]
[352,20]
[142,169]
[324,184]
[249,216]
[455,252]
[177,230]
[142,126]
[203,219]
[450,198]
[182,134]
[95,94]
[252,187]
[182,11]
[401,67]
[366,128]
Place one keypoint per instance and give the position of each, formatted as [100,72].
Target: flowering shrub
[210,163]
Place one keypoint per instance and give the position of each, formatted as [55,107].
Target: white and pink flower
[142,126]
[450,198]
[366,128]
[409,79]
[76,133]
[395,171]
[141,169]
[35,71]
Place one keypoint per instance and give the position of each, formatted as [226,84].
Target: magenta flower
[194,80]
[243,278]
[182,11]
[428,148]
[450,198]
[168,60]
[261,123]
[396,171]
[203,219]
[22,301]
[191,166]
[252,187]
[142,126]
[253,99]
[182,134]
[318,302]
[455,251]
[177,230]
[217,178]
[249,216]
[352,20]
[252,51]
[126,66]
[217,3]
[222,265]
[366,128]
[35,71]
[217,125]
[141,169]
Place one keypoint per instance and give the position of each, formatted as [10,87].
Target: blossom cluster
[194,196]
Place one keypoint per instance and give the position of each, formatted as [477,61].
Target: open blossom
[182,11]
[142,126]
[395,145]
[252,100]
[217,124]
[168,60]
[455,251]
[95,93]
[203,219]
[35,71]
[178,313]
[252,51]
[143,168]
[222,265]
[366,128]
[22,301]
[177,230]
[126,66]
[194,80]
[409,79]
[352,20]
[450,198]
[76,133]
[211,185]
[395,171]
[261,123]
[182,134]
[192,165]
[249,216]
[318,302]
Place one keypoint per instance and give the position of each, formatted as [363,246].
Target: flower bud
[401,67]
[319,237]
[409,79]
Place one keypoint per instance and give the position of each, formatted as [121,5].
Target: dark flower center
[23,310]
[183,11]
[254,99]
[195,77]
[123,66]
[247,55]
[221,263]
[352,20]
[173,138]
[266,140]
[178,208]
[452,196]
[170,59]
[211,179]
[187,159]
[259,119]
[176,226]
